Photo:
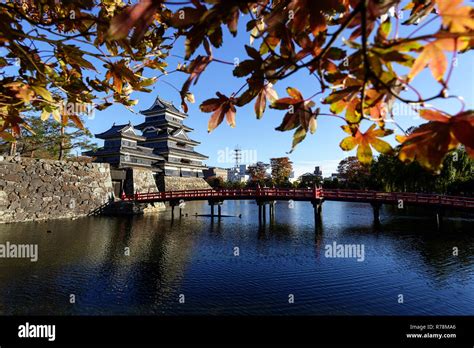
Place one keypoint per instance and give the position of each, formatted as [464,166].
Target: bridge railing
[223,193]
[305,194]
[408,197]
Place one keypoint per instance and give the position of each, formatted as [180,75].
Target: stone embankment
[36,189]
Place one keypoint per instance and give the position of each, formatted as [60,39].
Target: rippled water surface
[194,257]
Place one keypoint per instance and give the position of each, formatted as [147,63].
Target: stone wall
[143,181]
[139,180]
[33,189]
[172,183]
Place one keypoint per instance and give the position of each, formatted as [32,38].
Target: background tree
[389,174]
[281,170]
[309,180]
[53,49]
[216,182]
[352,174]
[331,183]
[258,173]
[44,139]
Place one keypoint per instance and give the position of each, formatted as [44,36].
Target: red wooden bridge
[316,196]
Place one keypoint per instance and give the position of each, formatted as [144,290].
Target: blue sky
[259,136]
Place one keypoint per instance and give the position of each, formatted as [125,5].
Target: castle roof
[140,151]
[177,152]
[162,105]
[121,130]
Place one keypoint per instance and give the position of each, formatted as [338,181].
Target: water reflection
[194,256]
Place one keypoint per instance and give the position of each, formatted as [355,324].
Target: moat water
[233,267]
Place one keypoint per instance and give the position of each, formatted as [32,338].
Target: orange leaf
[230,115]
[294,93]
[429,143]
[457,18]
[216,119]
[77,121]
[433,56]
[222,106]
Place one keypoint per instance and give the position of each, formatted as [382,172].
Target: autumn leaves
[360,81]
[429,143]
[299,115]
[358,78]
[220,106]
[433,56]
[365,142]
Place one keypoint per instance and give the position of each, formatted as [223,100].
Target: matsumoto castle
[163,146]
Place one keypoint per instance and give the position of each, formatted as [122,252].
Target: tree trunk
[13,148]
[61,144]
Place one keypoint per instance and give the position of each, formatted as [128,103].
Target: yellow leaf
[298,137]
[364,141]
[190,97]
[313,124]
[364,153]
[43,92]
[56,115]
[348,143]
[45,115]
[400,138]
[381,146]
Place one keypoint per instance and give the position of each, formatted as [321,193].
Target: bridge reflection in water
[269,196]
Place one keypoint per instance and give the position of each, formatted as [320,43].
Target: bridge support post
[218,210]
[261,214]
[264,212]
[439,218]
[376,208]
[272,210]
[211,204]
[172,210]
[317,207]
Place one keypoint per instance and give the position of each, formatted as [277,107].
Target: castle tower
[166,134]
[122,150]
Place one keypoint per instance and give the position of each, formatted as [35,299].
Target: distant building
[238,174]
[318,172]
[216,172]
